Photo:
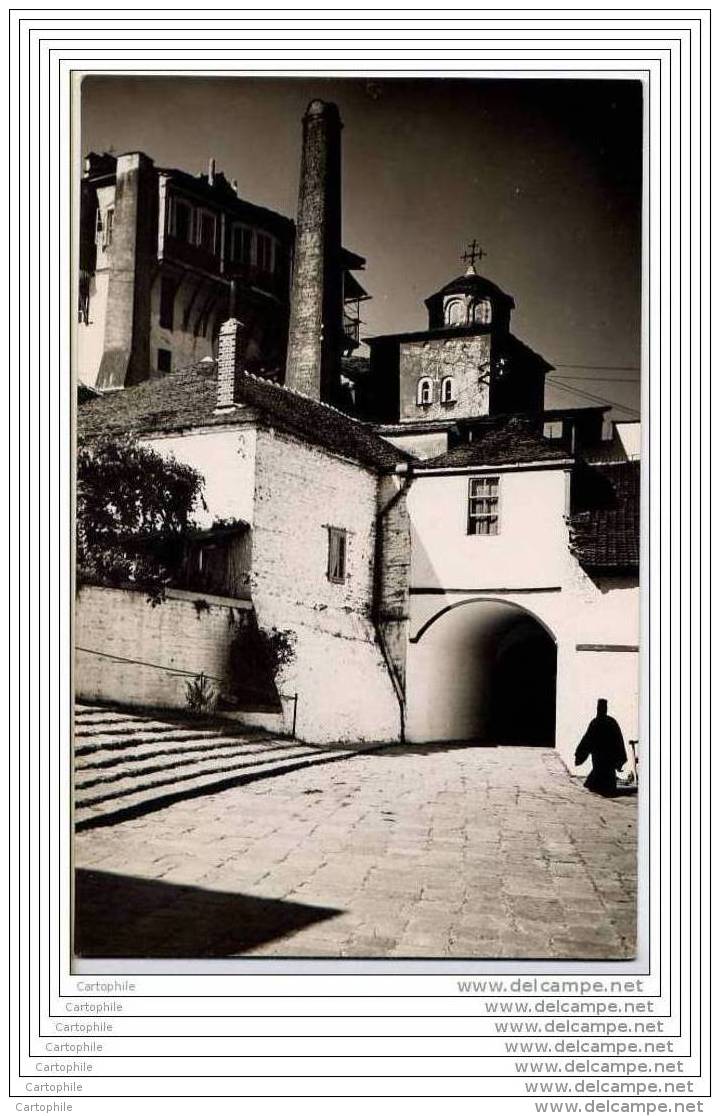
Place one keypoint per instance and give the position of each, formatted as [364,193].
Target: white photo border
[671,51]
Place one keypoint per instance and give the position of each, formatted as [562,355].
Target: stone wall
[465,358]
[314,341]
[392,570]
[128,651]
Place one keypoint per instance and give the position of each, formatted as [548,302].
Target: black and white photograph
[357,594]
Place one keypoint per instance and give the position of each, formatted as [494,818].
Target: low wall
[127,652]
[130,652]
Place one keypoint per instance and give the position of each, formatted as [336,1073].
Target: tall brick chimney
[316,309]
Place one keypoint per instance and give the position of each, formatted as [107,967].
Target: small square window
[337,554]
[483,506]
[553,430]
[164,360]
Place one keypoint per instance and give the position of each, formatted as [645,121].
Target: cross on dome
[472,253]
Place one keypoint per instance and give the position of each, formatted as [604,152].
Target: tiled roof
[607,538]
[507,440]
[186,400]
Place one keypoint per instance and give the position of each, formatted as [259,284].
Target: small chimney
[231,352]
[211,173]
[316,307]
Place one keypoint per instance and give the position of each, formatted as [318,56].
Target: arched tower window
[455,311]
[424,391]
[482,312]
[447,390]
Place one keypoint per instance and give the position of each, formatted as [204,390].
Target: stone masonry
[316,311]
[466,359]
[126,355]
[229,360]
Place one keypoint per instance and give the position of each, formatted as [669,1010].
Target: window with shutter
[337,554]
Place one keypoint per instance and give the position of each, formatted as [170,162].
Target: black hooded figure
[603,742]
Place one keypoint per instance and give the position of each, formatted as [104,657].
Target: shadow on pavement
[126,916]
[432,747]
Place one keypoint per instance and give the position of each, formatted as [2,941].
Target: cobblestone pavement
[421,851]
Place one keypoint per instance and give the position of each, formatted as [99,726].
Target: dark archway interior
[524,676]
[484,670]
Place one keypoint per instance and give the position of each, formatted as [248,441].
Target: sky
[546,175]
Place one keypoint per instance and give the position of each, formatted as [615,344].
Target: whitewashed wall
[343,686]
[527,565]
[225,456]
[290,492]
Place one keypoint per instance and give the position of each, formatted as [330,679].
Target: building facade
[450,562]
[165,257]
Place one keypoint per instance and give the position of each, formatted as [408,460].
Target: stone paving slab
[419,851]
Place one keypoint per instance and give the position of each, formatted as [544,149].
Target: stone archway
[483,669]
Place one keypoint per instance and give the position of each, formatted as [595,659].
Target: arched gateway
[483,669]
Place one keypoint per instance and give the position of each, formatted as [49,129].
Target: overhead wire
[595,398]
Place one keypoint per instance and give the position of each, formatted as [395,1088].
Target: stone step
[101,757]
[132,770]
[112,810]
[106,716]
[135,778]
[143,736]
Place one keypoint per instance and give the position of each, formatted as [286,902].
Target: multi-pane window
[264,249]
[206,231]
[553,430]
[182,221]
[483,506]
[242,245]
[337,554]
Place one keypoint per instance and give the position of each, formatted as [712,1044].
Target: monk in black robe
[603,743]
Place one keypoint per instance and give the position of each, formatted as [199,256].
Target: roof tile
[187,399]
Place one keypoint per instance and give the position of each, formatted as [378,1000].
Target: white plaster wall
[290,493]
[343,686]
[185,347]
[90,338]
[226,458]
[630,435]
[529,550]
[531,553]
[422,445]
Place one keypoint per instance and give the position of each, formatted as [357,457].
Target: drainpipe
[404,470]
